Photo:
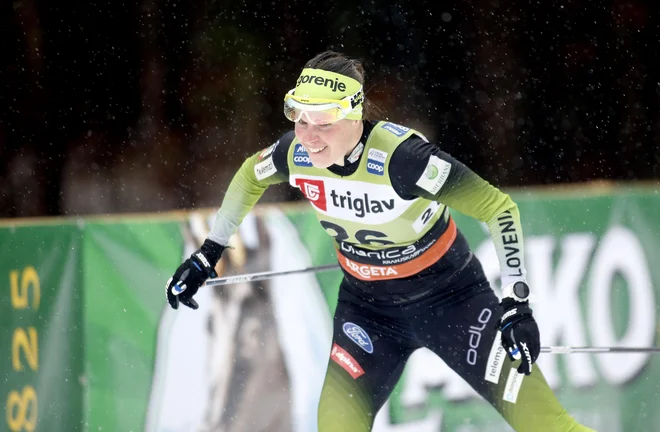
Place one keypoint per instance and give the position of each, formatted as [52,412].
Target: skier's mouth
[317,150]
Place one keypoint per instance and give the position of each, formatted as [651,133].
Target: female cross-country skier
[382,191]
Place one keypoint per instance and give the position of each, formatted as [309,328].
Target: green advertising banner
[82,304]
[125,266]
[591,261]
[91,346]
[40,328]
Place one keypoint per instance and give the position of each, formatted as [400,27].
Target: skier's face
[328,144]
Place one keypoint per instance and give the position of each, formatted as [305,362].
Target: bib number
[363,236]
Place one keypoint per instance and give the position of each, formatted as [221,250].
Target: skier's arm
[248,185]
[419,168]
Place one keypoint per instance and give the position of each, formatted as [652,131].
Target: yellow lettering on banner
[30,344]
[22,410]
[19,291]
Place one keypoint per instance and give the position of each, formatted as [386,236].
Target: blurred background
[152,105]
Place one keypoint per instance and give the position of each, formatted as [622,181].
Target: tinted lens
[329,115]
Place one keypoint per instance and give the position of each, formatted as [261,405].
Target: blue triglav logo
[359,336]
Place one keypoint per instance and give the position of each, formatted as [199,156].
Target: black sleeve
[420,169]
[281,151]
[409,163]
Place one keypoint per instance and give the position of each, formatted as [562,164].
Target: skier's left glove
[192,274]
[520,333]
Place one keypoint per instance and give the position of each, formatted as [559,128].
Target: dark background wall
[152,105]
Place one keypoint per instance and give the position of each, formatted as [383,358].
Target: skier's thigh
[366,362]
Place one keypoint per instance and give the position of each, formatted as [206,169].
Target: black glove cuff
[514,311]
[212,251]
[509,303]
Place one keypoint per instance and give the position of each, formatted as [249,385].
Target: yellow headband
[322,84]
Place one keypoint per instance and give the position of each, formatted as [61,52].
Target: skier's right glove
[192,274]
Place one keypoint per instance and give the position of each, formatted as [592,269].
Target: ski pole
[254,277]
[598,350]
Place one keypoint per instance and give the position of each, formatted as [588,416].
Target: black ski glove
[520,333]
[192,274]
